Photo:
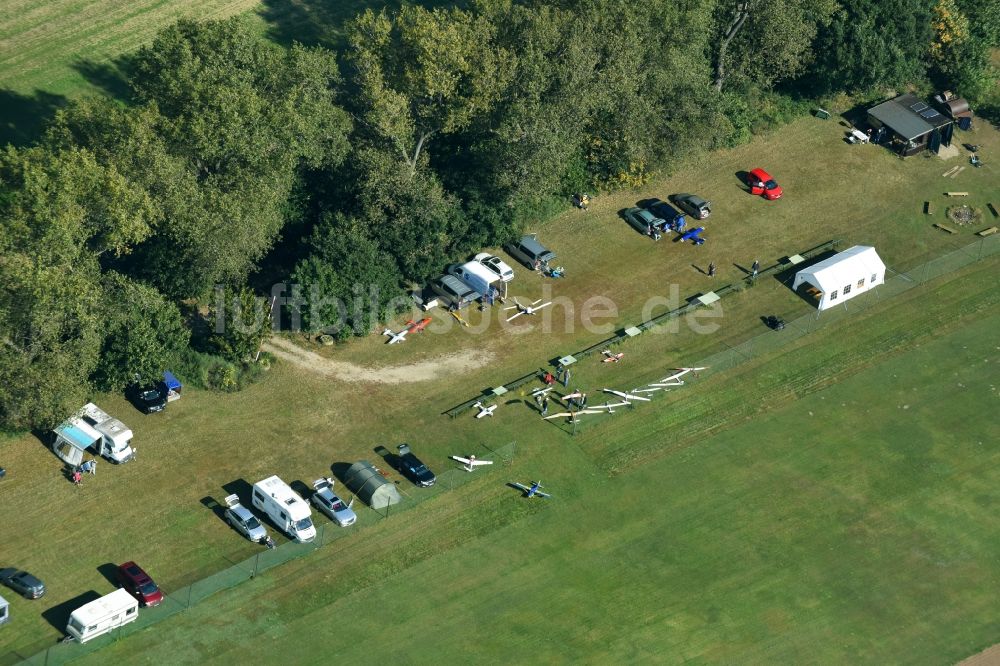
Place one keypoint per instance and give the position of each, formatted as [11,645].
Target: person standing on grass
[565,377]
[711,269]
[754,269]
[77,478]
[545,405]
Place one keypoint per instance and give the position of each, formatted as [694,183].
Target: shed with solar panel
[911,125]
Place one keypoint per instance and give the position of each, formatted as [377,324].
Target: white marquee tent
[842,277]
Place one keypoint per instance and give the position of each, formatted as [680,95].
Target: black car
[661,209]
[412,468]
[22,582]
[148,398]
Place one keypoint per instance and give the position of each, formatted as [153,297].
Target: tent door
[934,144]
[946,133]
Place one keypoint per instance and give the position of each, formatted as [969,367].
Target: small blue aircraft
[530,491]
[694,236]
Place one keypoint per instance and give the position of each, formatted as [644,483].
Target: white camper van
[92,427]
[116,437]
[286,509]
[477,276]
[103,615]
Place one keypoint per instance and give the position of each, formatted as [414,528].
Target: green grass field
[297,422]
[852,525]
[691,560]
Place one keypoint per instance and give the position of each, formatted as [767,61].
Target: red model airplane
[411,327]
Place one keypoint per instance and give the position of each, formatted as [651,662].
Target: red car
[139,584]
[760,182]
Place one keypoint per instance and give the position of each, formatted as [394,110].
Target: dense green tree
[242,322]
[870,44]
[245,116]
[421,72]
[760,43]
[143,333]
[346,283]
[59,212]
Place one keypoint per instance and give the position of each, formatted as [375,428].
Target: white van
[103,615]
[477,276]
[286,509]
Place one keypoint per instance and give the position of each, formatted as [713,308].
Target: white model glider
[471,463]
[525,309]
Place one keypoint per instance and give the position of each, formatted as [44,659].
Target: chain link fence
[326,533]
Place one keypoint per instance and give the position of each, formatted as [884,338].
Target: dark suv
[139,584]
[148,398]
[530,252]
[412,468]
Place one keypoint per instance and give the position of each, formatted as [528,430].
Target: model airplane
[573,415]
[484,410]
[471,463]
[612,358]
[693,235]
[532,490]
[411,327]
[458,318]
[626,396]
[675,379]
[525,309]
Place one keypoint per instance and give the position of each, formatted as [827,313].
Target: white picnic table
[857,136]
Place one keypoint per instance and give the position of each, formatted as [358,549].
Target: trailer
[285,507]
[103,615]
[4,611]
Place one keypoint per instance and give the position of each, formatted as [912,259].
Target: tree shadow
[321,22]
[23,118]
[110,76]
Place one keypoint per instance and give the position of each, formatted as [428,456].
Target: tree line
[432,132]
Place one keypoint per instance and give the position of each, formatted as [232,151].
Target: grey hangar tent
[366,482]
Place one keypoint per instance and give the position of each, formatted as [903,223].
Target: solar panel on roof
[917,107]
[929,113]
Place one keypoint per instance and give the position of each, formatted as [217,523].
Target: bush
[214,373]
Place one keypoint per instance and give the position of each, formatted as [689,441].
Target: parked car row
[486,275]
[657,217]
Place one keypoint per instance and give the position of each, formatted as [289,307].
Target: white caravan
[103,615]
[92,427]
[286,509]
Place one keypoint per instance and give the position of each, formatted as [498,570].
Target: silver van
[530,252]
[454,293]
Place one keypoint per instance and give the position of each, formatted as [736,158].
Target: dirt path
[393,374]
[988,657]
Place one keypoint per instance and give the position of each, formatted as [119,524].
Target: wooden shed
[912,126]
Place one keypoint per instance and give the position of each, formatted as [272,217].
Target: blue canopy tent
[173,386]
